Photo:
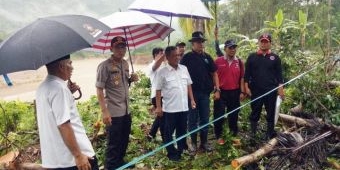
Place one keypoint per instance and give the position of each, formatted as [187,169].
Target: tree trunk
[253,157]
[294,119]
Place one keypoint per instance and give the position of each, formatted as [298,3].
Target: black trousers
[157,123]
[117,141]
[269,102]
[229,99]
[93,162]
[175,121]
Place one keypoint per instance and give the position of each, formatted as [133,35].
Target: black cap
[118,40]
[267,37]
[59,59]
[230,43]
[197,36]
[180,43]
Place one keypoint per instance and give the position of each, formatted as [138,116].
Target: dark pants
[231,100]
[200,116]
[117,141]
[269,101]
[93,162]
[175,121]
[157,123]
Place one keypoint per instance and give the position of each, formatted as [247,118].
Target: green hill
[15,14]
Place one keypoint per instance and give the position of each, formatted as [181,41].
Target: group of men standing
[181,91]
[185,100]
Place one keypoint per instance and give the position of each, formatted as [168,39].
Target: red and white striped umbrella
[138,28]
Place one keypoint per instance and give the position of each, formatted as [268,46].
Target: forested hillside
[15,14]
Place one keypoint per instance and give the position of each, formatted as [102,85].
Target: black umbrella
[48,39]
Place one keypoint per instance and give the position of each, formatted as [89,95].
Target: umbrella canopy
[48,39]
[138,28]
[179,8]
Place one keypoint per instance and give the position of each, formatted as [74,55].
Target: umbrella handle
[80,94]
[79,91]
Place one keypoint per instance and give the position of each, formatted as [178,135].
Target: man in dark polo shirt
[262,74]
[202,70]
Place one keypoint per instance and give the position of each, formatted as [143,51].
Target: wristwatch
[217,90]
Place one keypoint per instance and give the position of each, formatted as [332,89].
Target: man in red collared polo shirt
[230,72]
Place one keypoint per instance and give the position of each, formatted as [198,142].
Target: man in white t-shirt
[157,63]
[174,83]
[63,140]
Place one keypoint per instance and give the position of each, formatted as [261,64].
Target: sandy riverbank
[25,83]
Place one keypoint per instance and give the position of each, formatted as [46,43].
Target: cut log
[297,108]
[9,157]
[308,122]
[30,166]
[297,120]
[255,156]
[334,83]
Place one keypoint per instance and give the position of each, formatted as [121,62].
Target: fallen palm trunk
[255,156]
[244,160]
[30,166]
[297,120]
[308,122]
[334,83]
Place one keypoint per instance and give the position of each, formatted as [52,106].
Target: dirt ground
[25,83]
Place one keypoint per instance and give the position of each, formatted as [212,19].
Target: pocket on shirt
[171,82]
[185,79]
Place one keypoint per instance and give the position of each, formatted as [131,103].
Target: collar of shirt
[260,52]
[115,62]
[230,60]
[170,68]
[53,77]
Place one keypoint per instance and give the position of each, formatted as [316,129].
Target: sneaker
[220,141]
[206,147]
[236,142]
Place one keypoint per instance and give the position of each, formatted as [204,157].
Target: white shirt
[152,76]
[173,84]
[55,106]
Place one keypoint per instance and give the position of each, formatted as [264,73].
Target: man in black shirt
[263,72]
[202,70]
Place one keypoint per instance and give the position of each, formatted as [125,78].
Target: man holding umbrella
[63,140]
[202,70]
[113,77]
